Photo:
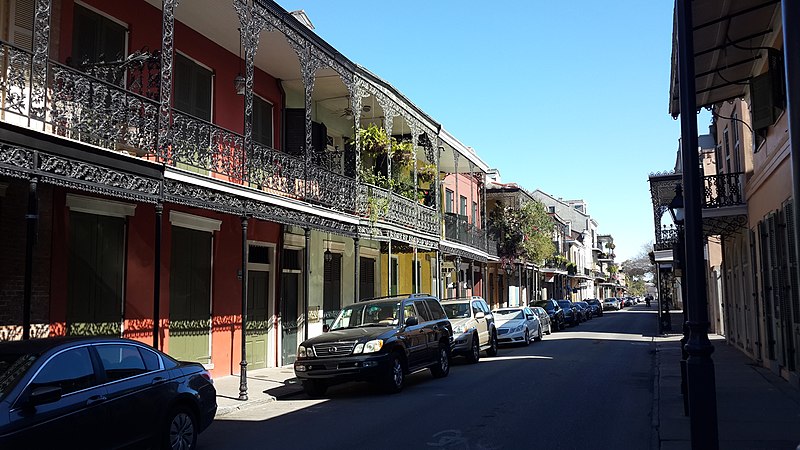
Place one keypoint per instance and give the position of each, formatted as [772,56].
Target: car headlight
[303,352]
[373,346]
[459,329]
[358,348]
[517,329]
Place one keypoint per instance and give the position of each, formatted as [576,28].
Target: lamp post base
[701,387]
[243,381]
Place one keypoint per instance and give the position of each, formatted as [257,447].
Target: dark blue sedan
[100,393]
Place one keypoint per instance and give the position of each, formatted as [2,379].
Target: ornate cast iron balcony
[666,239]
[723,190]
[95,107]
[457,228]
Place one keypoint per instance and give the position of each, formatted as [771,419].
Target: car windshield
[508,314]
[368,314]
[546,305]
[12,367]
[456,310]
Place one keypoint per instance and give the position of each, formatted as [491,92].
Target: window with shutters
[475,214]
[96,38]
[366,280]
[193,88]
[793,269]
[262,121]
[394,278]
[737,158]
[332,287]
[448,200]
[290,259]
[463,206]
[20,23]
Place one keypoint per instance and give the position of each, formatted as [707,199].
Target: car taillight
[207,376]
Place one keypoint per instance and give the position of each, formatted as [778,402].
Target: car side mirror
[43,395]
[529,317]
[326,328]
[411,321]
[480,315]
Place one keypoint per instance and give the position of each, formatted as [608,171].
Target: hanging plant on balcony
[373,141]
[426,173]
[572,268]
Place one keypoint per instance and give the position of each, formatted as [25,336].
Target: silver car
[473,327]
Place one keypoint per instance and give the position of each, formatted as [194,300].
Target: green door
[257,318]
[290,283]
[95,274]
[190,296]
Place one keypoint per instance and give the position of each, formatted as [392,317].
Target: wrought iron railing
[665,239]
[492,247]
[101,107]
[722,190]
[457,228]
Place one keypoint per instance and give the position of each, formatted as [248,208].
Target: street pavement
[608,383]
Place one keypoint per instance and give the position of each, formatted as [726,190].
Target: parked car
[87,392]
[380,340]
[628,301]
[586,310]
[571,316]
[517,325]
[554,311]
[611,304]
[473,327]
[544,319]
[597,307]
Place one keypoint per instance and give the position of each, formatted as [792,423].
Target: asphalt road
[589,387]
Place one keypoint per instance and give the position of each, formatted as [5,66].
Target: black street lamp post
[676,210]
[701,385]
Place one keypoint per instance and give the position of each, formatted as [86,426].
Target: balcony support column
[458,276]
[472,276]
[251,25]
[167,57]
[32,224]
[701,382]
[389,268]
[41,48]
[357,268]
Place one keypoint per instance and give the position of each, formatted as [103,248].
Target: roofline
[463,149]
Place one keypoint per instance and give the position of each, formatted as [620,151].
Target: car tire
[539,338]
[395,375]
[314,388]
[474,351]
[180,429]
[492,351]
[527,338]
[549,328]
[442,367]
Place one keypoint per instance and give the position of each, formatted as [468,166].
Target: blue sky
[567,97]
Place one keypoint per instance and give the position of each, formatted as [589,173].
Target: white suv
[473,327]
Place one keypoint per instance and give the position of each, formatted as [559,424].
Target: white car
[517,325]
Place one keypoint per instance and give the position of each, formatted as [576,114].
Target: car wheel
[395,377]
[539,338]
[180,430]
[550,328]
[474,351]
[493,347]
[527,337]
[314,388]
[442,367]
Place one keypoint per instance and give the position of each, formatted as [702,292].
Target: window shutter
[290,259]
[793,270]
[21,23]
[193,86]
[366,278]
[262,122]
[295,131]
[332,286]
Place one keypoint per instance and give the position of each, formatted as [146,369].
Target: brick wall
[13,207]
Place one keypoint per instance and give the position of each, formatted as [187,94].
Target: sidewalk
[755,408]
[263,385]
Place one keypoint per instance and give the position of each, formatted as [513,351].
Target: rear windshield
[456,310]
[12,367]
[509,314]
